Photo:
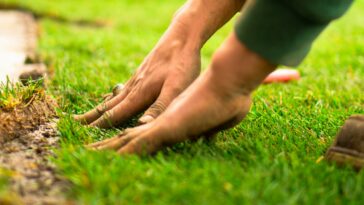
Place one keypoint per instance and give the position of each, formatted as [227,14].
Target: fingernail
[76,117]
[117,89]
[146,119]
[80,118]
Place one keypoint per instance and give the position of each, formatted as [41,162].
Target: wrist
[178,42]
[188,28]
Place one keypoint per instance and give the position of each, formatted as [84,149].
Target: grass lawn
[272,157]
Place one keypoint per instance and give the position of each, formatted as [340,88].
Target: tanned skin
[218,99]
[170,67]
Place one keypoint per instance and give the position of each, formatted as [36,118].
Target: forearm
[196,21]
[238,70]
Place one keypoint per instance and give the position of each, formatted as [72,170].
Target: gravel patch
[34,178]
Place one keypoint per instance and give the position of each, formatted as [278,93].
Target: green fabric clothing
[282,31]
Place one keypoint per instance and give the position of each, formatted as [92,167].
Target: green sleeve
[282,31]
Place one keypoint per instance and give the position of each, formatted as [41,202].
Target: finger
[168,94]
[99,110]
[107,96]
[118,88]
[133,104]
[153,112]
[100,143]
[111,140]
[116,143]
[119,92]
[141,146]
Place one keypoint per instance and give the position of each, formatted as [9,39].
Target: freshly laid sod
[273,157]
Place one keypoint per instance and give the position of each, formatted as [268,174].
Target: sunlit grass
[272,157]
[13,95]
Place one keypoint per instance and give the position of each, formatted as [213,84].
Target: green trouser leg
[282,31]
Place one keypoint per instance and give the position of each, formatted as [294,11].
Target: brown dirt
[25,118]
[28,131]
[27,138]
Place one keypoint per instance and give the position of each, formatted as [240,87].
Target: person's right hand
[170,68]
[163,75]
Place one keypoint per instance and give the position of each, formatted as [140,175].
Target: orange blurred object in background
[282,76]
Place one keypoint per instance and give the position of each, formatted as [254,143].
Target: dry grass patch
[23,109]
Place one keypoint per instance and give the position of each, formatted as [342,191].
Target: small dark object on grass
[348,147]
[32,72]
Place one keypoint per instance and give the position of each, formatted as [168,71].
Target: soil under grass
[23,109]
[28,136]
[273,157]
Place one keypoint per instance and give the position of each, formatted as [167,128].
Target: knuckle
[128,130]
[130,83]
[101,108]
[107,115]
[142,145]
[158,107]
